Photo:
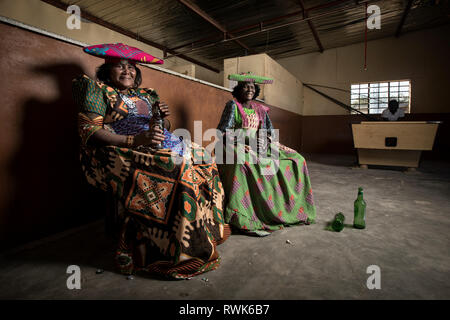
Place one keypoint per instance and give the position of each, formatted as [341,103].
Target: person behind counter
[392,112]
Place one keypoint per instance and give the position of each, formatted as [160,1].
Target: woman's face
[247,91]
[123,75]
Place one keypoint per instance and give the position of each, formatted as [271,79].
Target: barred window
[374,97]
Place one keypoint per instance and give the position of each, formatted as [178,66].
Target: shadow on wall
[50,193]
[181,117]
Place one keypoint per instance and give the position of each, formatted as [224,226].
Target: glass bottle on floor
[359,220]
[338,223]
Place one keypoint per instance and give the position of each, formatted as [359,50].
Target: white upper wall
[422,57]
[286,92]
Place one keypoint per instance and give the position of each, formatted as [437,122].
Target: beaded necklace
[132,104]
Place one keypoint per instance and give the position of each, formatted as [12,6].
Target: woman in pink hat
[172,217]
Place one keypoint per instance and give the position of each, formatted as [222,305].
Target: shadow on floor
[338,160]
[88,246]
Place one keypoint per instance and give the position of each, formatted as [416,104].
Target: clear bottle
[338,222]
[359,220]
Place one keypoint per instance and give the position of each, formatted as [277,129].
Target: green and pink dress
[259,200]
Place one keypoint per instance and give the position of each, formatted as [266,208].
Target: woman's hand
[262,144]
[164,109]
[152,137]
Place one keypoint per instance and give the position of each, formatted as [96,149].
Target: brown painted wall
[41,191]
[289,125]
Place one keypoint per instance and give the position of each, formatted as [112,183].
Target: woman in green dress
[272,192]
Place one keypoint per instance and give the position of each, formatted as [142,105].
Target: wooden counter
[393,143]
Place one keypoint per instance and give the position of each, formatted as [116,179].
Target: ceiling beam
[402,21]
[311,26]
[94,19]
[240,29]
[264,23]
[212,21]
[295,21]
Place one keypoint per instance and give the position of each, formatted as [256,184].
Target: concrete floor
[407,236]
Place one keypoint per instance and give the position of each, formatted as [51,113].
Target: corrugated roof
[274,27]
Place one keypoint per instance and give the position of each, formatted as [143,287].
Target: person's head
[246,90]
[393,106]
[121,74]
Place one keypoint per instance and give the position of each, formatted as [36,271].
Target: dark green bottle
[157,120]
[359,220]
[338,223]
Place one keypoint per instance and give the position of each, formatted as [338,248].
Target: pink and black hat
[112,52]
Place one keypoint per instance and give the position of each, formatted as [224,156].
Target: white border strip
[81,44]
[41,31]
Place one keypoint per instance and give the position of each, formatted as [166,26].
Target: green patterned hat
[249,77]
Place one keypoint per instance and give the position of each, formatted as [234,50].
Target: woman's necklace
[132,105]
[247,104]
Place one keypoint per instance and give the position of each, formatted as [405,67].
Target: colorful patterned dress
[173,217]
[260,199]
